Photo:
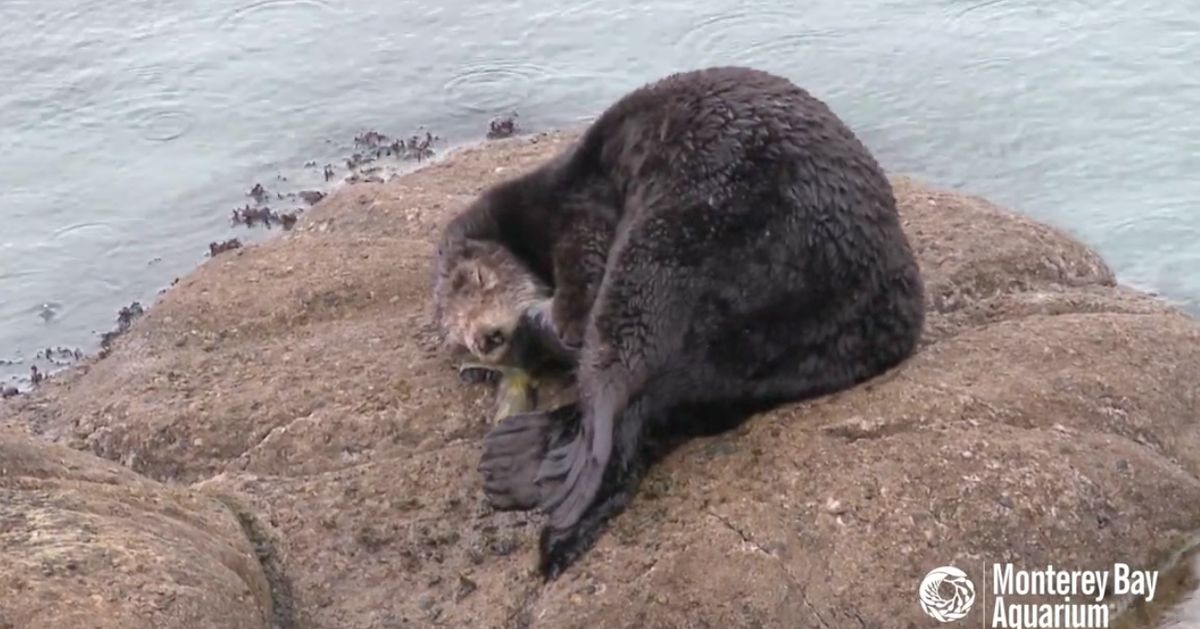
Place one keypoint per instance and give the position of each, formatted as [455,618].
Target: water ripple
[75,19]
[144,99]
[494,87]
[249,21]
[1004,12]
[70,231]
[1147,226]
[157,115]
[162,123]
[6,276]
[751,36]
[976,6]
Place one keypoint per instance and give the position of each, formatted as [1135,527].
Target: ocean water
[129,129]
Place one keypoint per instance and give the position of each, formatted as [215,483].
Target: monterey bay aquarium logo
[948,595]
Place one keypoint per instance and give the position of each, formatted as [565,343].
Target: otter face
[478,312]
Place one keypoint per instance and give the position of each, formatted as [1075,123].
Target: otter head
[481,298]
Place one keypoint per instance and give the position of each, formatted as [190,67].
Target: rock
[311,196]
[89,543]
[1048,417]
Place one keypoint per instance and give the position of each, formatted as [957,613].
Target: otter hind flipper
[580,518]
[513,452]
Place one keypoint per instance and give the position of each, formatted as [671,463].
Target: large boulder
[88,543]
[1050,416]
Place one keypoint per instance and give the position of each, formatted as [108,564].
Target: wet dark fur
[718,243]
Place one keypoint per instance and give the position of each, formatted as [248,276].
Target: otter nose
[489,339]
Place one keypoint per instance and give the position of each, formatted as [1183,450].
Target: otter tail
[563,540]
[559,548]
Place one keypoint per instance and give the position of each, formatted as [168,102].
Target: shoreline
[250,225]
[63,357]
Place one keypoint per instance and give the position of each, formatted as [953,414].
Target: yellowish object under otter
[515,393]
[516,388]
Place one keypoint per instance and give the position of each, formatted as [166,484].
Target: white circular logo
[936,604]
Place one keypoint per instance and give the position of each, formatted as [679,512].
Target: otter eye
[490,340]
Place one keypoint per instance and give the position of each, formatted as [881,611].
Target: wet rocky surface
[503,127]
[1049,416]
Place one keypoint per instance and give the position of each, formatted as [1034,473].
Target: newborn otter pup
[486,304]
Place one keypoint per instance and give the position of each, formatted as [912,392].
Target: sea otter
[718,242]
[480,303]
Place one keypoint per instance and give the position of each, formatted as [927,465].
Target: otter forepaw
[570,334]
[512,454]
[541,321]
[566,325]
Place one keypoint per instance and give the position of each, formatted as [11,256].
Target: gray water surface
[130,128]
